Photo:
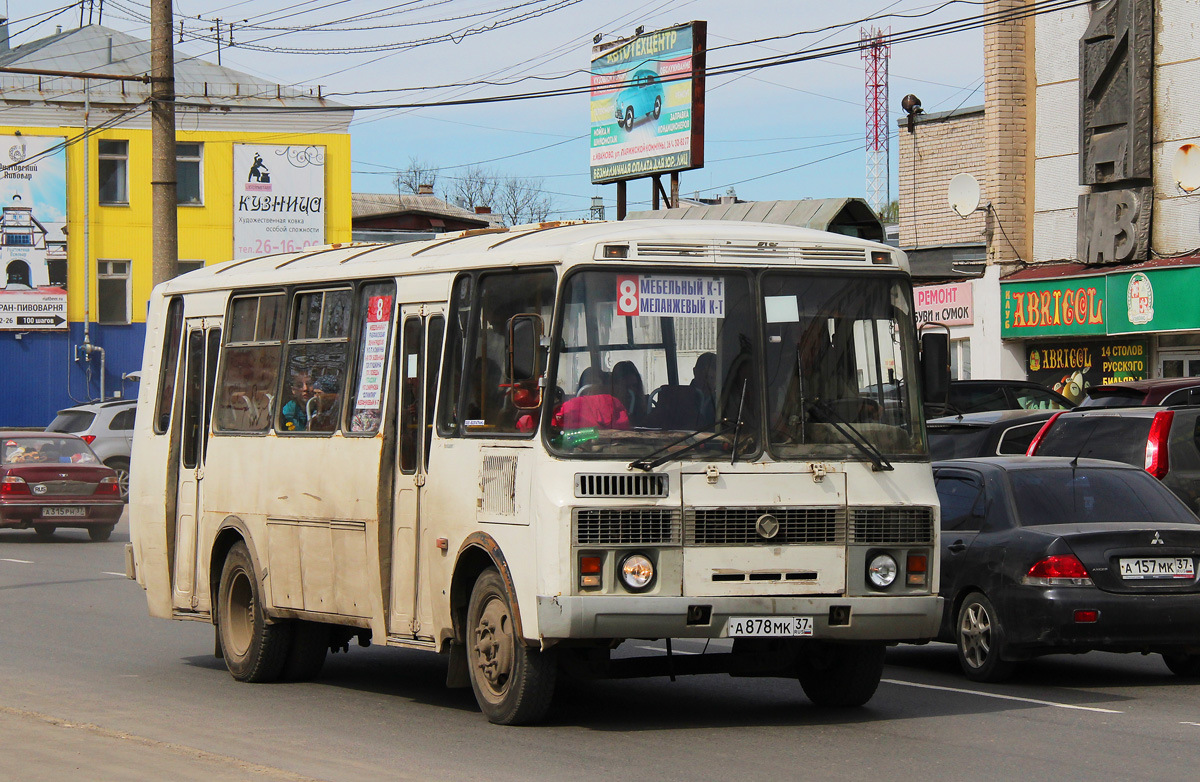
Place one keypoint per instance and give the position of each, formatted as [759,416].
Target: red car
[53,480]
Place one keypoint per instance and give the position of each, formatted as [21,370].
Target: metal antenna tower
[875,53]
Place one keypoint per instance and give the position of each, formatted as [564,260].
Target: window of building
[114,172]
[112,292]
[960,359]
[189,174]
[183,267]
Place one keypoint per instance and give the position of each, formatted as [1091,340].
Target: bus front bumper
[908,618]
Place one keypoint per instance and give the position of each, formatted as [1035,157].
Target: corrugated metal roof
[379,204]
[815,213]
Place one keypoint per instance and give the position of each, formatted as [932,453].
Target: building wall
[1175,223]
[938,148]
[52,378]
[1006,99]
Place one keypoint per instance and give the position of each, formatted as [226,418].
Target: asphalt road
[91,688]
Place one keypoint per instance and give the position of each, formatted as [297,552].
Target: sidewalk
[39,748]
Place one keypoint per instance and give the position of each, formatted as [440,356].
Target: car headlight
[636,572]
[882,570]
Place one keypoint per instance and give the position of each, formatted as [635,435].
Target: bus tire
[513,683]
[306,657]
[254,651]
[840,675]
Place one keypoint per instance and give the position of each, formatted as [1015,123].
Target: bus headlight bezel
[636,572]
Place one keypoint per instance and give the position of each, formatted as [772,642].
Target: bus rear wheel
[840,675]
[513,683]
[254,650]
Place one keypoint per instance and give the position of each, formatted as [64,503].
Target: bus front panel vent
[621,485]
[891,525]
[626,526]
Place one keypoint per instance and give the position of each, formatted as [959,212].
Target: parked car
[54,480]
[977,396]
[1165,442]
[992,433]
[1163,391]
[107,427]
[643,96]
[1041,556]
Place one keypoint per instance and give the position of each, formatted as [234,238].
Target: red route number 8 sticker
[627,295]
[378,308]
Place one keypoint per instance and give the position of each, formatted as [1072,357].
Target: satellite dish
[1186,167]
[964,194]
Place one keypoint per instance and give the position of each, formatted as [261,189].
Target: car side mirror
[524,360]
[935,368]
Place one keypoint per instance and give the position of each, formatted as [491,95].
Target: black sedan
[1048,555]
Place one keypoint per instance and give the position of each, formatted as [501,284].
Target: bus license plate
[53,512]
[1157,567]
[759,626]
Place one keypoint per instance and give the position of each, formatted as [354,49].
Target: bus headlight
[882,571]
[636,572]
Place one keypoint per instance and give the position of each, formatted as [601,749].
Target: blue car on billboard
[643,96]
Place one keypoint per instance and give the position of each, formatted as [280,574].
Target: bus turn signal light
[589,571]
[916,568]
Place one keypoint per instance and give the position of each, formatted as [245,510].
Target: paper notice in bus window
[782,309]
[670,296]
[375,333]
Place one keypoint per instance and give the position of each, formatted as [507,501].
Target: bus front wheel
[254,651]
[840,675]
[513,683]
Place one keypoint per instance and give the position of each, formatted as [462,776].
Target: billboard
[647,101]
[33,237]
[278,198]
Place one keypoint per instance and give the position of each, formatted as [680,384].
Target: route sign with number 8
[627,295]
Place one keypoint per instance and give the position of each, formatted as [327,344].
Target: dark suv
[993,433]
[977,396]
[1163,441]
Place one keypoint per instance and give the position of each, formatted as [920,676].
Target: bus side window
[318,352]
[375,305]
[170,366]
[410,394]
[250,364]
[433,351]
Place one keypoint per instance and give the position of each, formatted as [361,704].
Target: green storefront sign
[1116,303]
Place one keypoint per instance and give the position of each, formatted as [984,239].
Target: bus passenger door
[201,346]
[419,349]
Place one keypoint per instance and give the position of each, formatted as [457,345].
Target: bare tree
[522,200]
[419,172]
[476,187]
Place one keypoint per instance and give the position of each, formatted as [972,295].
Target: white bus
[522,447]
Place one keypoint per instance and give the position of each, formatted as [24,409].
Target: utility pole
[162,142]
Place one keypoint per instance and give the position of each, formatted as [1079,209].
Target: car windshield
[645,358]
[956,442]
[46,450]
[1117,438]
[1062,495]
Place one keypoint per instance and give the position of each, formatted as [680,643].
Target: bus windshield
[798,363]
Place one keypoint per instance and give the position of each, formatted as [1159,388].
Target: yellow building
[75,188]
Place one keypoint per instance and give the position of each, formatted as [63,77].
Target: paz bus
[522,447]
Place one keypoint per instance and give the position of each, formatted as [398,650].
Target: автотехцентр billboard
[648,104]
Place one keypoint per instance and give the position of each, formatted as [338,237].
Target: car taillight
[1037,438]
[1058,570]
[13,484]
[87,438]
[1156,444]
[109,485]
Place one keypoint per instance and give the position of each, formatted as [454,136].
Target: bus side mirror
[935,368]
[524,360]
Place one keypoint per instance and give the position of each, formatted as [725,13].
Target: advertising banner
[951,305]
[278,198]
[647,102]
[33,238]
[1071,368]
[1153,300]
[1058,307]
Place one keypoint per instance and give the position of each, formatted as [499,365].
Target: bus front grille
[891,525]
[740,526]
[626,526]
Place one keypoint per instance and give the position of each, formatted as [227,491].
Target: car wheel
[306,657]
[101,534]
[254,650]
[657,107]
[1185,665]
[629,118]
[980,639]
[121,467]
[513,683]
[44,531]
[840,675]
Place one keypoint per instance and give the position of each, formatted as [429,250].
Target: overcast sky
[790,131]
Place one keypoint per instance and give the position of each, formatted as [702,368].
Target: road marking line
[19,561]
[111,573]
[1003,697]
[1196,724]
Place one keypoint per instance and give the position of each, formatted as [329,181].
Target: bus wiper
[653,459]
[737,429]
[878,461]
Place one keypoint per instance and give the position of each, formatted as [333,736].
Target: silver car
[107,427]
